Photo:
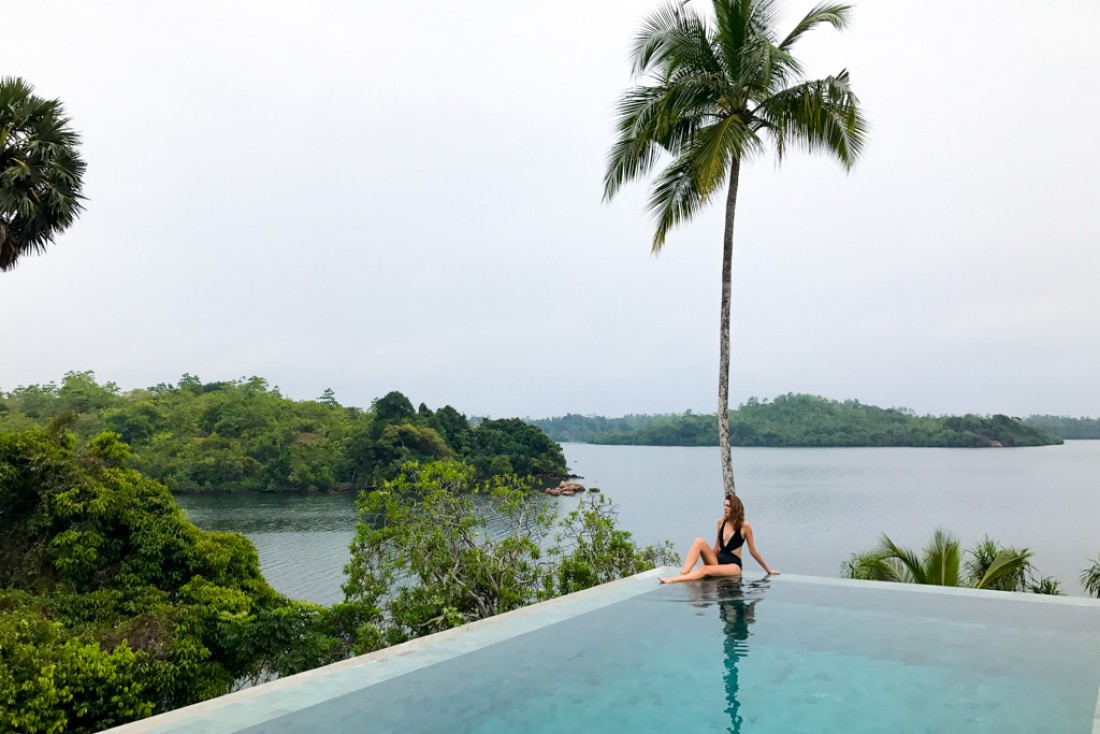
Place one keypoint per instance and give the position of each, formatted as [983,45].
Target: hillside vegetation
[114,606]
[801,420]
[1066,427]
[245,435]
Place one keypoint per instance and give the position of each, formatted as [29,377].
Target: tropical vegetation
[1066,427]
[235,435]
[800,420]
[1090,578]
[41,172]
[114,606]
[718,90]
[437,548]
[988,565]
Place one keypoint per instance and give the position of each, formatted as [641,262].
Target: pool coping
[254,706]
[1096,716]
[251,707]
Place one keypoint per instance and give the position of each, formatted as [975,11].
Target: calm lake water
[810,508]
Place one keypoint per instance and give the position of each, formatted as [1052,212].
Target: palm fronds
[1090,578]
[710,88]
[989,566]
[40,172]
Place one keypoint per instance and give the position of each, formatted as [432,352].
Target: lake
[810,508]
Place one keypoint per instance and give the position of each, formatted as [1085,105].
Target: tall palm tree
[716,91]
[40,171]
[992,567]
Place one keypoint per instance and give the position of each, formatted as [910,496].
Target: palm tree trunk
[724,337]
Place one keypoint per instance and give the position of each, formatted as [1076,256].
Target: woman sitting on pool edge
[724,559]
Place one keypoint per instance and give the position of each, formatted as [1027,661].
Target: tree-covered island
[802,420]
[244,435]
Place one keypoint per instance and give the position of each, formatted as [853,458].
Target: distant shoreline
[809,421]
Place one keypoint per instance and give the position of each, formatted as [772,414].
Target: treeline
[1065,427]
[800,420]
[245,435]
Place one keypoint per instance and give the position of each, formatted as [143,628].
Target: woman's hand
[772,572]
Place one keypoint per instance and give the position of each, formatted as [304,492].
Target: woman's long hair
[736,514]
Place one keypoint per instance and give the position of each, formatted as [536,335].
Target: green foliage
[593,551]
[131,608]
[1045,585]
[516,446]
[41,171]
[52,682]
[1090,578]
[435,549]
[1066,427]
[989,566]
[718,89]
[992,566]
[243,435]
[800,420]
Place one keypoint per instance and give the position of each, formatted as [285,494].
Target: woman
[724,559]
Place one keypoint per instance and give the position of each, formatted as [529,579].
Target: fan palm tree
[716,91]
[40,171]
[992,567]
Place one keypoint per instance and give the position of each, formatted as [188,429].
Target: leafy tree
[594,551]
[41,172]
[510,445]
[991,566]
[136,609]
[720,89]
[393,407]
[52,682]
[423,559]
[328,397]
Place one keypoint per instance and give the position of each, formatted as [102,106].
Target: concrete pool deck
[266,703]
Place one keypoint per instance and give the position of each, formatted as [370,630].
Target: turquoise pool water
[755,656]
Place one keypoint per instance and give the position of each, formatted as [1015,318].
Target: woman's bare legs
[699,549]
[728,569]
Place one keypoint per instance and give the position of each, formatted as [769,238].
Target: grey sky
[372,196]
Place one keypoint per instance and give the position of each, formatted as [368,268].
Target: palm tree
[720,90]
[40,171]
[1090,578]
[992,566]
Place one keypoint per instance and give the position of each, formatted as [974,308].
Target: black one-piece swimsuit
[726,552]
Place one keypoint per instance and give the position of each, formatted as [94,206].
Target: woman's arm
[718,542]
[746,530]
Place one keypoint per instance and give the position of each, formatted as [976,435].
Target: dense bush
[113,605]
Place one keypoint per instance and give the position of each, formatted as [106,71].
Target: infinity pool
[784,655]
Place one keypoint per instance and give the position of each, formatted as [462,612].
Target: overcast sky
[373,196]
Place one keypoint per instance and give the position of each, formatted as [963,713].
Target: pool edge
[239,710]
[1096,715]
[254,707]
